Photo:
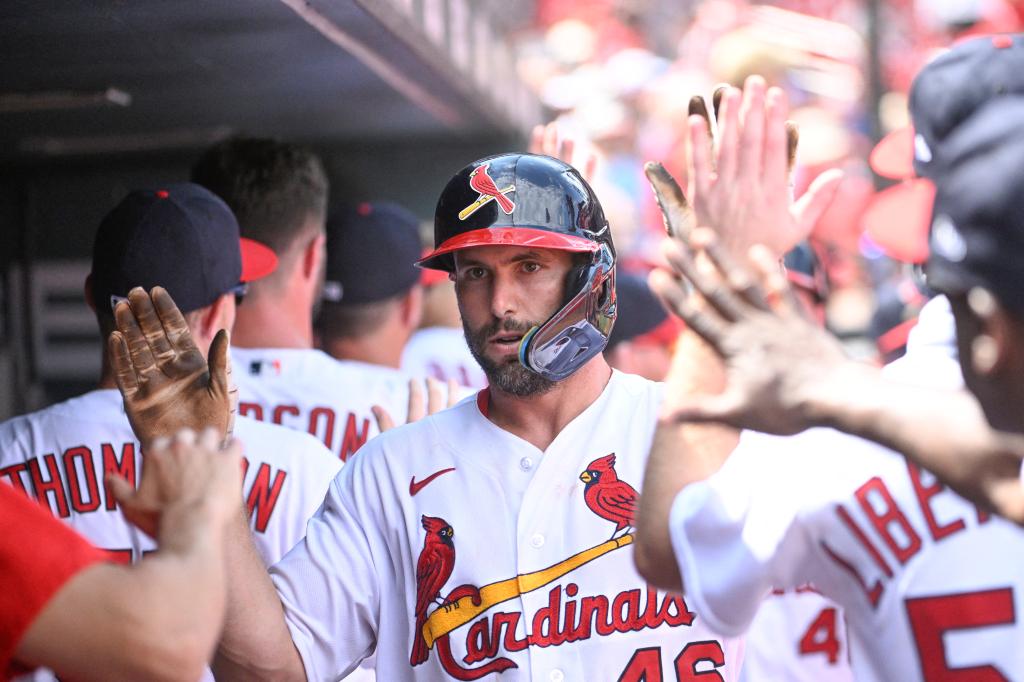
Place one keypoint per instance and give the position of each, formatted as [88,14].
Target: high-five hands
[187,474]
[166,383]
[775,358]
[739,179]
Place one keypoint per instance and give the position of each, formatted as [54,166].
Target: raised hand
[739,179]
[186,474]
[166,383]
[775,359]
[544,139]
[436,400]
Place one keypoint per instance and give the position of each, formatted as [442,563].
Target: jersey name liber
[320,421]
[72,481]
[888,525]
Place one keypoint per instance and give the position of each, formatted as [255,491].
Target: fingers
[698,107]
[138,348]
[711,285]
[792,141]
[716,99]
[752,139]
[777,292]
[150,324]
[219,362]
[435,396]
[675,210]
[121,361]
[736,276]
[677,300]
[173,321]
[775,171]
[385,422]
[122,490]
[700,170]
[417,403]
[728,134]
[453,393]
[536,140]
[810,207]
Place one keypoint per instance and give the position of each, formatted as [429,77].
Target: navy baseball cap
[977,235]
[181,237]
[372,249]
[946,92]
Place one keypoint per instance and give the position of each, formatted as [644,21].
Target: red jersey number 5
[932,617]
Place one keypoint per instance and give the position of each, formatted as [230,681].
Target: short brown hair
[273,187]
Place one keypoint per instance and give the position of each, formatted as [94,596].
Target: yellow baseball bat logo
[453,616]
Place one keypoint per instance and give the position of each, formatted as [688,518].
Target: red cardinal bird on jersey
[606,495]
[480,181]
[433,569]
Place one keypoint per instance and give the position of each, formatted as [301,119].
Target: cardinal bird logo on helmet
[607,496]
[482,183]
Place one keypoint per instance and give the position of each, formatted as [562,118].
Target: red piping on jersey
[483,402]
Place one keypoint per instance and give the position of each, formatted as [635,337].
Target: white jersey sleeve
[329,584]
[735,533]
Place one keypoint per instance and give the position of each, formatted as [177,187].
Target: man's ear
[412,307]
[993,349]
[218,315]
[314,256]
[87,290]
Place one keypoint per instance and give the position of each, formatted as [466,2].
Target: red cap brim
[529,237]
[899,218]
[893,156]
[258,260]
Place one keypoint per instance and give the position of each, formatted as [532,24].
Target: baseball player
[63,606]
[930,584]
[59,455]
[494,537]
[278,192]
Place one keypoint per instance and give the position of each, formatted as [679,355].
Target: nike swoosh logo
[415,487]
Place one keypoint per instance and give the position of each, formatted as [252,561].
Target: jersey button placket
[526,464]
[556,675]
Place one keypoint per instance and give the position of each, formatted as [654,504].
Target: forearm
[681,454]
[255,642]
[156,620]
[940,430]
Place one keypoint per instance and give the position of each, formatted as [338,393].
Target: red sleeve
[38,555]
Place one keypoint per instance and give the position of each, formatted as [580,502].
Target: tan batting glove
[166,383]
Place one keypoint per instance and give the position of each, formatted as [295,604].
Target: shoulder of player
[396,446]
[635,387]
[275,443]
[100,410]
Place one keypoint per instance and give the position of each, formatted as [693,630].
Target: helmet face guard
[580,330]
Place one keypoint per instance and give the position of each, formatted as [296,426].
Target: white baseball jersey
[442,353]
[929,584]
[798,636]
[60,455]
[308,390]
[461,551]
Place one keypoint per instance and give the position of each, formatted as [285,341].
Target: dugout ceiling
[98,77]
